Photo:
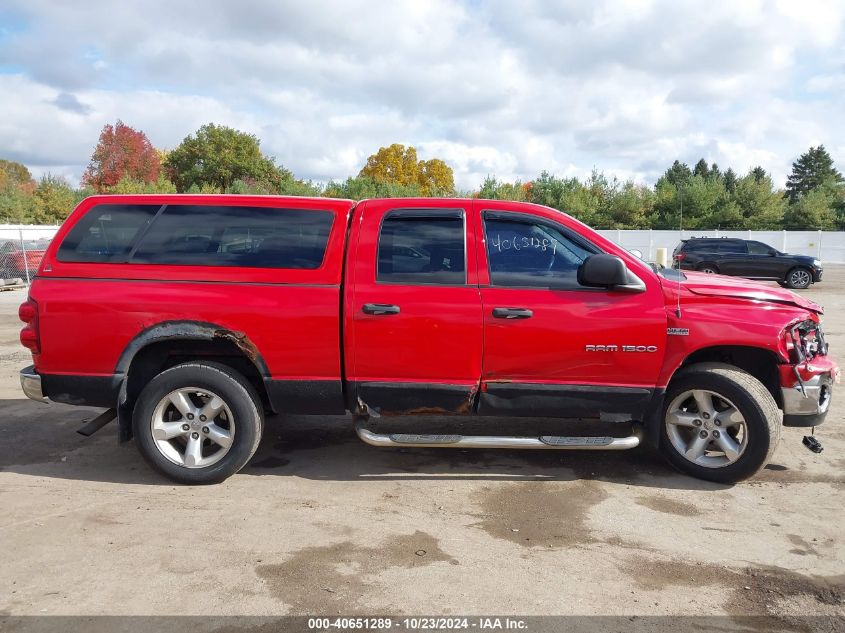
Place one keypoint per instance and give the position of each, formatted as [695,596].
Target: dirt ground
[322,523]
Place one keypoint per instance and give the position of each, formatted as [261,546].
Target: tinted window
[732,246]
[422,249]
[758,248]
[106,233]
[524,253]
[236,236]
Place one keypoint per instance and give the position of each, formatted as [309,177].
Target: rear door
[413,321]
[551,346]
[732,258]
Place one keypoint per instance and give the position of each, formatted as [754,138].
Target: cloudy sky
[507,88]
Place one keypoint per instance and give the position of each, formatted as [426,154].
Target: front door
[551,346]
[413,313]
[764,262]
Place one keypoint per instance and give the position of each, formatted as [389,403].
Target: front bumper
[31,384]
[806,402]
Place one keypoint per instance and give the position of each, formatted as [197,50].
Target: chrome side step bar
[548,442]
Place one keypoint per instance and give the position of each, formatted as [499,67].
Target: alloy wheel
[799,278]
[706,428]
[193,427]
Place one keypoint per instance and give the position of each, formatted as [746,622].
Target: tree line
[220,159]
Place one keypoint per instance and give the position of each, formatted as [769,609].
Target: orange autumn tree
[122,153]
[399,165]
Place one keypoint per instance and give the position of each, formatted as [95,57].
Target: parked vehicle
[747,258]
[20,260]
[191,317]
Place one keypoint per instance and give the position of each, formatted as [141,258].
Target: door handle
[512,313]
[380,309]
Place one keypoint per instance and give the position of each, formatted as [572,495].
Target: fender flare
[185,330]
[192,331]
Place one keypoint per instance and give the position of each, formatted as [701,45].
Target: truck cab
[194,316]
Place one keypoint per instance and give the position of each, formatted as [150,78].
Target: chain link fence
[21,250]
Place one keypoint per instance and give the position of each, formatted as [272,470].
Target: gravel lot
[322,523]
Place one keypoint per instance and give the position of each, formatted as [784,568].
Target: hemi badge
[677,331]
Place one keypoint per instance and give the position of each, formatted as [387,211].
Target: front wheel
[798,278]
[719,423]
[198,423]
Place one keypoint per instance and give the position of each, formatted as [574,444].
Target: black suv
[746,258]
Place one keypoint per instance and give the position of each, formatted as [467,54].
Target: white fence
[828,246]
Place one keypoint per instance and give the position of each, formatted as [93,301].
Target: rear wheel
[198,423]
[799,278]
[719,423]
[708,268]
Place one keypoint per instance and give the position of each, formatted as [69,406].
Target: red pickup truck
[191,317]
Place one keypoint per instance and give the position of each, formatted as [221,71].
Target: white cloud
[500,88]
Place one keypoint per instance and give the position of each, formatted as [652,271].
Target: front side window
[257,237]
[534,254]
[418,247]
[106,233]
[758,248]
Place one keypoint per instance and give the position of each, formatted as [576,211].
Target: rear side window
[258,237]
[733,247]
[416,247]
[106,233]
[699,247]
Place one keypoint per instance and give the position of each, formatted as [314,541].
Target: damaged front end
[807,379]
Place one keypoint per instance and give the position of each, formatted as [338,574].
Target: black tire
[798,278]
[708,268]
[238,394]
[759,410]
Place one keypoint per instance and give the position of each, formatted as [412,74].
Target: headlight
[817,263]
[804,341]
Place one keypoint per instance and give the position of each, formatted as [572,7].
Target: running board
[549,442]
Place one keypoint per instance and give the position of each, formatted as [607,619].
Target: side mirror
[603,271]
[772,253]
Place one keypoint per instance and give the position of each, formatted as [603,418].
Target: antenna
[681,229]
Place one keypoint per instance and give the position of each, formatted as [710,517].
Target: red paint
[87,314]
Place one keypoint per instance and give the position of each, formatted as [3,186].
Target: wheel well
[798,267]
[154,358]
[760,363]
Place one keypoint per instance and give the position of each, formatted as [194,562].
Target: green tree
[360,188]
[16,187]
[759,173]
[703,201]
[492,189]
[729,179]
[811,211]
[812,169]
[678,173]
[628,207]
[128,185]
[701,169]
[761,206]
[215,156]
[53,200]
[714,171]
